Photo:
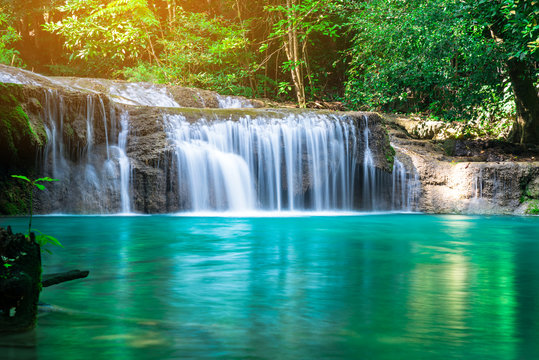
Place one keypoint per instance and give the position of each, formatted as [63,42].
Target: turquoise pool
[382,286]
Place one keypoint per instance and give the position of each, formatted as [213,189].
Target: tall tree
[514,24]
[297,22]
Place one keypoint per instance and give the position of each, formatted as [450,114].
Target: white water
[477,185]
[405,187]
[293,163]
[94,177]
[303,161]
[125,166]
[142,94]
[231,102]
[21,76]
[369,175]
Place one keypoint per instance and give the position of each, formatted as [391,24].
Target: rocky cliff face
[468,177]
[112,151]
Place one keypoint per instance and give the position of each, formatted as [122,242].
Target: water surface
[386,286]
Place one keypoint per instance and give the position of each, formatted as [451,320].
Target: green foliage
[533,207]
[422,57]
[108,34]
[204,52]
[31,184]
[8,36]
[131,39]
[514,22]
[44,240]
[300,28]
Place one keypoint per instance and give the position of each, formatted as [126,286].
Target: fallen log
[57,278]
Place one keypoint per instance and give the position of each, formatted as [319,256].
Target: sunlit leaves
[117,30]
[8,36]
[133,37]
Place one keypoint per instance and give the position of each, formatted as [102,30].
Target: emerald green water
[351,287]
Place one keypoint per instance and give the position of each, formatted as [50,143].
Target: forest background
[465,60]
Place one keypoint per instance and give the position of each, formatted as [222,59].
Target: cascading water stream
[405,187]
[369,175]
[125,167]
[208,160]
[298,162]
[104,116]
[287,162]
[230,102]
[93,177]
[477,185]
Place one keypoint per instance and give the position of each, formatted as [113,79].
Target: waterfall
[299,162]
[104,116]
[93,167]
[477,185]
[405,187]
[369,176]
[122,147]
[125,167]
[50,124]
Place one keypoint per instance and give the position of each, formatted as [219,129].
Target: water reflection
[380,287]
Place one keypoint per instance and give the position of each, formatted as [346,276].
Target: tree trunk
[291,49]
[526,130]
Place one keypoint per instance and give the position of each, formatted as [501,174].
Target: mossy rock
[14,200]
[532,189]
[19,138]
[533,207]
[449,146]
[390,156]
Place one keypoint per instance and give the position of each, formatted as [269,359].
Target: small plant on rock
[41,239]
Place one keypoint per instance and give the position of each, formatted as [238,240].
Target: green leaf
[46,179]
[39,186]
[44,239]
[21,177]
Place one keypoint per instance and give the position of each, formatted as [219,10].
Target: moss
[18,136]
[390,155]
[529,195]
[16,128]
[7,98]
[449,146]
[68,131]
[14,197]
[533,207]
